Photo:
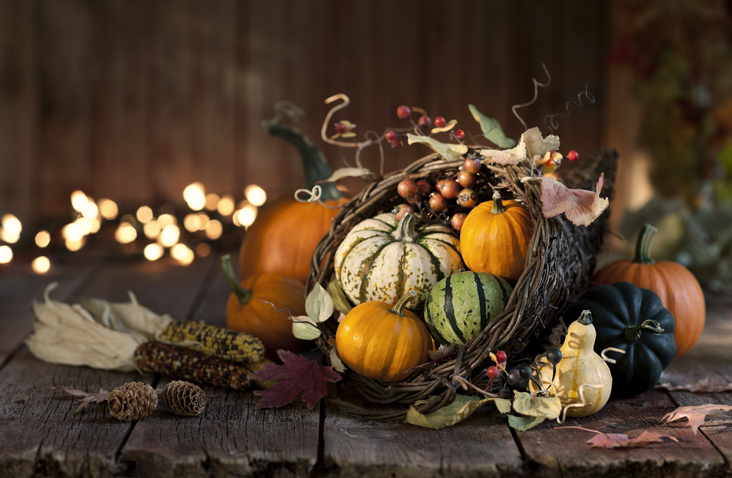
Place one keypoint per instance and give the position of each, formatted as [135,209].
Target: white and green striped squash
[460,306]
[382,259]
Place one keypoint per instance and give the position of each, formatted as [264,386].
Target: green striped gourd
[383,258]
[460,306]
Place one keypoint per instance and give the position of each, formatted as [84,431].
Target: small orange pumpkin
[678,289]
[495,238]
[383,342]
[246,311]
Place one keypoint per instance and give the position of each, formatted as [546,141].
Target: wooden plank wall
[133,100]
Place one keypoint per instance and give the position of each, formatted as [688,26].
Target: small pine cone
[183,398]
[132,401]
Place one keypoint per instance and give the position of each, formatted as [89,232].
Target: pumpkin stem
[498,207]
[398,308]
[634,332]
[244,295]
[315,166]
[585,317]
[405,228]
[643,245]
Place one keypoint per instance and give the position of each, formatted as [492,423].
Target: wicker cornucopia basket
[560,261]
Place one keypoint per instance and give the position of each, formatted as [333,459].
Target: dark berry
[515,378]
[525,371]
[572,155]
[404,112]
[459,134]
[493,372]
[424,187]
[440,122]
[438,203]
[466,180]
[501,356]
[407,188]
[424,122]
[401,210]
[457,220]
[467,198]
[472,165]
[554,356]
[448,188]
[391,136]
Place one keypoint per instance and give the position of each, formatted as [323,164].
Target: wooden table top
[40,435]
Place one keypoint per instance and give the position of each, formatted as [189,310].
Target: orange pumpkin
[246,311]
[383,342]
[495,238]
[678,289]
[283,238]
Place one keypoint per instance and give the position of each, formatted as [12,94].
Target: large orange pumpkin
[495,238]
[678,289]
[283,238]
[383,342]
[248,310]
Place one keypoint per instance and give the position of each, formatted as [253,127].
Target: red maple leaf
[296,375]
[621,440]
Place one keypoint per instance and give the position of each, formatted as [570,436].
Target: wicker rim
[543,290]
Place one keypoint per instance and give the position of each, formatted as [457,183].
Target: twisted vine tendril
[537,84]
[551,122]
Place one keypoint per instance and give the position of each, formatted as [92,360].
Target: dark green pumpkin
[461,305]
[631,319]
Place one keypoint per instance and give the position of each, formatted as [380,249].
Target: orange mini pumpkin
[383,342]
[677,287]
[246,311]
[495,238]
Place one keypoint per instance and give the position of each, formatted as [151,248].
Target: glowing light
[43,239]
[166,220]
[152,229]
[129,219]
[79,200]
[144,214]
[195,195]
[203,249]
[255,195]
[192,222]
[7,237]
[74,246]
[6,254]
[247,215]
[41,265]
[203,218]
[96,224]
[182,254]
[11,225]
[212,201]
[226,205]
[214,229]
[90,210]
[153,252]
[86,225]
[73,232]
[125,233]
[108,209]
[169,235]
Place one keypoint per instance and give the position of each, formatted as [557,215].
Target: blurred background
[135,100]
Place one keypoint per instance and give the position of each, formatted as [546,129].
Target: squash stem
[634,332]
[405,228]
[498,207]
[244,295]
[643,245]
[585,317]
[398,308]
[315,166]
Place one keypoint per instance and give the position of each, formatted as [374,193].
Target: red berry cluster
[422,126]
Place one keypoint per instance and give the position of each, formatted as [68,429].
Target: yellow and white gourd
[383,258]
[580,365]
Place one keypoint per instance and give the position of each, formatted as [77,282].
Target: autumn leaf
[621,440]
[695,414]
[450,152]
[461,408]
[578,205]
[84,397]
[491,128]
[296,375]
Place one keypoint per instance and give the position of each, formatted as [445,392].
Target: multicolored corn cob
[208,339]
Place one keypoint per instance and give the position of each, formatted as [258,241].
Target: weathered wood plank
[479,446]
[238,440]
[551,451]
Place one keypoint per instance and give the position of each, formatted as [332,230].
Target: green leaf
[448,151]
[491,129]
[547,407]
[503,405]
[457,411]
[523,423]
[340,301]
[318,304]
[305,328]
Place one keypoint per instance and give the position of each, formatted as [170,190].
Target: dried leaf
[578,205]
[491,129]
[695,414]
[536,144]
[524,423]
[304,328]
[506,156]
[621,440]
[85,397]
[318,304]
[450,125]
[296,375]
[340,301]
[336,362]
[448,151]
[457,411]
[547,407]
[443,351]
[349,173]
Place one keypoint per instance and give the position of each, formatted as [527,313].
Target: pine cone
[132,401]
[183,398]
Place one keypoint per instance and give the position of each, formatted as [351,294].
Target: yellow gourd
[580,365]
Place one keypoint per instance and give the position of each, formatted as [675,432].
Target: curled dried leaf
[580,206]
